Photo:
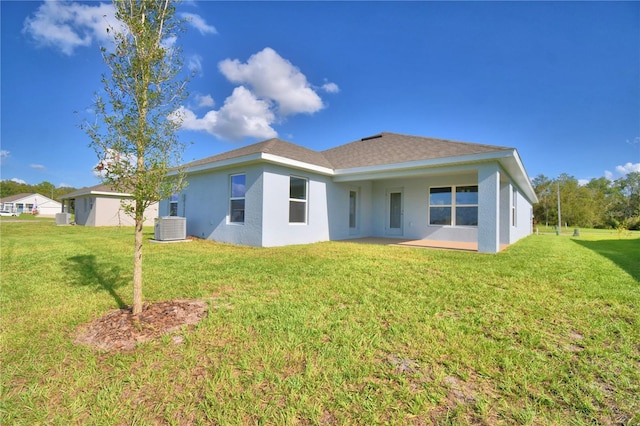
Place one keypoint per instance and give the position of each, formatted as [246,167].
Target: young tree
[134,135]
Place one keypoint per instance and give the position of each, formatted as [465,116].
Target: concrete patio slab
[434,244]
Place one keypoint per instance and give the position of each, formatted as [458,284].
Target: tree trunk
[137,267]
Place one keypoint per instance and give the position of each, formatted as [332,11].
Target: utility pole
[559,213]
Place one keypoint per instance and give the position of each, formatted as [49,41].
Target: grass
[546,332]
[27,216]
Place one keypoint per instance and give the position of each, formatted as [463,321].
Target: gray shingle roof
[272,146]
[394,148]
[15,197]
[88,190]
[385,148]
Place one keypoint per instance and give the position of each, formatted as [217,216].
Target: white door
[394,212]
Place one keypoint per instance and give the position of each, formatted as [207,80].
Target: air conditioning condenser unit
[63,218]
[170,228]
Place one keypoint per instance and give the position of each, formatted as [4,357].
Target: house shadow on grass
[623,252]
[86,271]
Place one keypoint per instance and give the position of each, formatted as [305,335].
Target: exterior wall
[277,231]
[84,211]
[489,208]
[524,219]
[91,210]
[109,212]
[415,217]
[338,210]
[205,205]
[48,207]
[513,230]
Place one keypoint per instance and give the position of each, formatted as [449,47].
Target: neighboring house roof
[100,189]
[16,197]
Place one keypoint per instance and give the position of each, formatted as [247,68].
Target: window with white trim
[297,200]
[514,206]
[173,205]
[453,205]
[237,197]
[353,204]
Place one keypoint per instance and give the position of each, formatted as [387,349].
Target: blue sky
[559,81]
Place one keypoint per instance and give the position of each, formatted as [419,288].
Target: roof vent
[372,137]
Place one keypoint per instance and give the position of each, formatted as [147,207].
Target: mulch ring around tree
[119,330]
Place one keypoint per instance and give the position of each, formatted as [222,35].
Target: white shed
[100,205]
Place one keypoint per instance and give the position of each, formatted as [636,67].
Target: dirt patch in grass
[119,330]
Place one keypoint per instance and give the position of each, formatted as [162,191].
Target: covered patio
[433,244]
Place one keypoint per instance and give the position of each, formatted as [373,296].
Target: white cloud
[272,77]
[628,168]
[622,171]
[194,63]
[4,154]
[16,180]
[169,42]
[66,26]
[112,157]
[204,101]
[199,24]
[330,88]
[64,185]
[37,166]
[270,87]
[242,115]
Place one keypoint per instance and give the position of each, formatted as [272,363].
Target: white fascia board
[108,194]
[513,165]
[276,159]
[252,158]
[88,193]
[408,173]
[404,169]
[220,164]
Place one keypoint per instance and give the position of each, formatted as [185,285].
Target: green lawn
[546,332]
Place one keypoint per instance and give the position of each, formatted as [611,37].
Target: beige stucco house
[102,206]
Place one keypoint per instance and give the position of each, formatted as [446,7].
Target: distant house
[276,193]
[100,205]
[32,204]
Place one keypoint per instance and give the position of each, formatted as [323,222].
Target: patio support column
[489,208]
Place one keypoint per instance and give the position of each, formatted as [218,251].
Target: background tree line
[9,187]
[601,203]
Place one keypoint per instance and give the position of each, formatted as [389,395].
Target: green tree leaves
[600,203]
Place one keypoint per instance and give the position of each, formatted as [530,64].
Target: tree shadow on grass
[624,252]
[86,271]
